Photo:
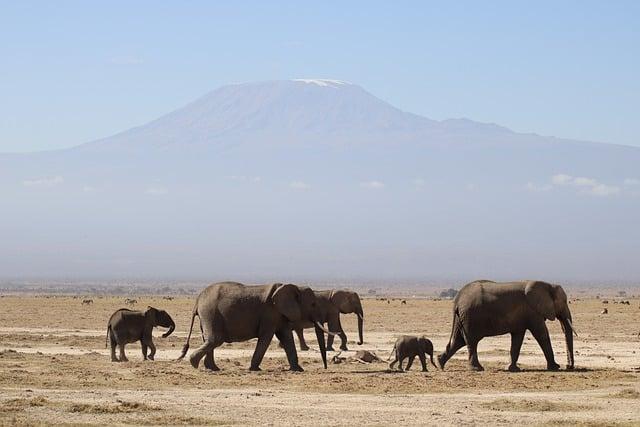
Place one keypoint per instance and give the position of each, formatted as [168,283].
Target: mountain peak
[323,82]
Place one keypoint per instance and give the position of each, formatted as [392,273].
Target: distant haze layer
[319,178]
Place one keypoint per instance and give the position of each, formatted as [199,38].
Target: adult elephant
[232,312]
[331,304]
[485,308]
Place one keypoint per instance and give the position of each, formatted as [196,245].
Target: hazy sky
[71,72]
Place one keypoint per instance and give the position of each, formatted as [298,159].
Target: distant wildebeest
[87,301]
[130,301]
[168,298]
[404,302]
[604,301]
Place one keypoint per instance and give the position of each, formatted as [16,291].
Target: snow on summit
[323,82]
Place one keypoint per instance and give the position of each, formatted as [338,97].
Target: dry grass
[526,405]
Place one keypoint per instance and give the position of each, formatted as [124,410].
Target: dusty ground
[54,368]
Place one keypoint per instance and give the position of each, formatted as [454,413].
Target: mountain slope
[318,179]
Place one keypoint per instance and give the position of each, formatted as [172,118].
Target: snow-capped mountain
[318,178]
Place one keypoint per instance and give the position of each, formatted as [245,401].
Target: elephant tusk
[319,325]
[572,328]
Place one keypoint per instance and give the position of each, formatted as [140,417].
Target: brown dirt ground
[54,368]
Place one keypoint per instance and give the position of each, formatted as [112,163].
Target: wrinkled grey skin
[485,308]
[232,312]
[126,326]
[331,304]
[409,347]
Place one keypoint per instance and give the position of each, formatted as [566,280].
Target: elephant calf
[409,347]
[126,326]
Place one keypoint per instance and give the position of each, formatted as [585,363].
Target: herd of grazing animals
[232,312]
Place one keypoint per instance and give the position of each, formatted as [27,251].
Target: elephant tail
[185,347]
[393,351]
[456,327]
[106,341]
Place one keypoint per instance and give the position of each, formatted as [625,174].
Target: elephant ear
[540,298]
[286,299]
[150,315]
[341,300]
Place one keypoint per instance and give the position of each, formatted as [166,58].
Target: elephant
[485,308]
[409,347]
[331,304]
[233,312]
[126,326]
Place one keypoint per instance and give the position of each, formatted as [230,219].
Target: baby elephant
[410,346]
[126,326]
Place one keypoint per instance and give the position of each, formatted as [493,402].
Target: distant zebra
[87,301]
[130,301]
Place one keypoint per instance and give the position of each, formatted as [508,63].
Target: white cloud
[586,185]
[299,185]
[531,186]
[373,185]
[471,187]
[603,190]
[156,191]
[88,189]
[631,181]
[50,181]
[419,183]
[561,179]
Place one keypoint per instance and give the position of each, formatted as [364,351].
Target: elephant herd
[232,312]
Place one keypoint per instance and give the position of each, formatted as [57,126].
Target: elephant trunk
[172,327]
[322,345]
[360,324]
[567,327]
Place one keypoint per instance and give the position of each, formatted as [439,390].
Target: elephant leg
[206,351]
[400,368]
[474,363]
[423,362]
[303,344]
[457,343]
[261,348]
[335,326]
[123,356]
[393,362]
[541,334]
[516,344]
[411,359]
[113,349]
[286,339]
[144,350]
[152,347]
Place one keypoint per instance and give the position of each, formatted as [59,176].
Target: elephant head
[550,301]
[154,317]
[299,304]
[349,302]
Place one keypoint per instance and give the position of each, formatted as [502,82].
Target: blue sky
[72,72]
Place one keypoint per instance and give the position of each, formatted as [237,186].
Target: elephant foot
[152,358]
[476,368]
[425,370]
[296,368]
[344,348]
[330,349]
[195,361]
[305,348]
[441,360]
[255,369]
[553,366]
[513,368]
[570,367]
[124,360]
[113,359]
[213,369]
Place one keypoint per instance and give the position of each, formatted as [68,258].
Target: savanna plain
[55,369]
